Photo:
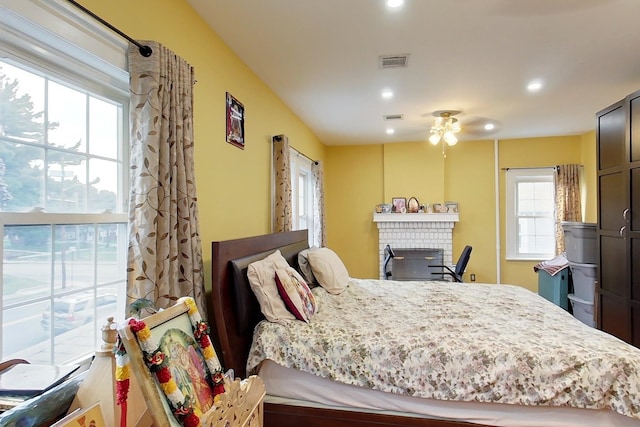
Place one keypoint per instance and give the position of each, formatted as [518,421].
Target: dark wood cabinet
[618,235]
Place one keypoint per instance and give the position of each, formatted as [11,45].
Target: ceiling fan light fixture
[450,138]
[444,128]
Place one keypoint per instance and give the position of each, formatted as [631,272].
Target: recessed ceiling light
[390,131]
[489,126]
[395,3]
[534,86]
[387,94]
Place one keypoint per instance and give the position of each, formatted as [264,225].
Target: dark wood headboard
[232,307]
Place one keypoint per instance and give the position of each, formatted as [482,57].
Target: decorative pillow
[305,267]
[329,270]
[296,294]
[261,275]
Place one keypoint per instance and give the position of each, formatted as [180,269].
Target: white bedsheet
[288,386]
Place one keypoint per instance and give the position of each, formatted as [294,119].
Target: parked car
[71,311]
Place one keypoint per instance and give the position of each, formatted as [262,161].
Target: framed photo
[168,351]
[83,417]
[413,205]
[399,204]
[235,121]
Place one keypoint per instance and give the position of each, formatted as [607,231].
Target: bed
[303,398]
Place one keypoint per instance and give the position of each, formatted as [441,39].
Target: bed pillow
[329,270]
[305,267]
[296,294]
[261,275]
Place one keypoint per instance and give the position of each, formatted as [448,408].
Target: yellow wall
[353,186]
[233,184]
[467,175]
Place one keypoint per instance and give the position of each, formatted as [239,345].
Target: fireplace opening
[413,263]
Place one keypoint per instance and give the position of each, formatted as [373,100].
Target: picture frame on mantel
[235,122]
[399,204]
[413,205]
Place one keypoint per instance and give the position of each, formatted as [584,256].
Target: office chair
[389,255]
[460,266]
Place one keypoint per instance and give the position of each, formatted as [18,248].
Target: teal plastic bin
[554,288]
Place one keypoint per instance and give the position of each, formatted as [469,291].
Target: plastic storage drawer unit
[580,242]
[554,288]
[582,310]
[584,280]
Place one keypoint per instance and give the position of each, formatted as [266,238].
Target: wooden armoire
[618,234]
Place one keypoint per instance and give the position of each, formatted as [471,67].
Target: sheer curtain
[568,205]
[283,215]
[165,254]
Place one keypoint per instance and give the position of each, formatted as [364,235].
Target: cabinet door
[611,137]
[633,215]
[614,307]
[634,128]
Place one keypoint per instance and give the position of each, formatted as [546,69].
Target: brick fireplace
[415,231]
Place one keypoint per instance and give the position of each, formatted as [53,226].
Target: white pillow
[262,278]
[329,270]
[305,267]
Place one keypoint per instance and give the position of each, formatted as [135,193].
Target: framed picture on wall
[399,204]
[235,121]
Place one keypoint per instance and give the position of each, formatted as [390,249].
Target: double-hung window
[63,195]
[530,214]
[302,193]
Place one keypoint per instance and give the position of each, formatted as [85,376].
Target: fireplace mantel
[415,230]
[416,217]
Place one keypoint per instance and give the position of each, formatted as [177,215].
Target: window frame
[513,178]
[55,40]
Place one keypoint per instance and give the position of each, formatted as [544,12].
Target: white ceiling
[477,56]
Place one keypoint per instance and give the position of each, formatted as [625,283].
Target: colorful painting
[187,367]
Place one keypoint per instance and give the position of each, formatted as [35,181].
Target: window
[530,214]
[302,193]
[63,192]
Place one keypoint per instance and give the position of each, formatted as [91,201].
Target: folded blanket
[553,266]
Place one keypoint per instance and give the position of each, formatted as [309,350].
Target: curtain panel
[568,204]
[165,253]
[283,215]
[319,231]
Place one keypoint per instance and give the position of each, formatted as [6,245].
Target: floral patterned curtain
[568,205]
[320,231]
[283,215]
[165,254]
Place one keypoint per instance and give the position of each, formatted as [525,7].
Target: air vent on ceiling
[393,116]
[394,61]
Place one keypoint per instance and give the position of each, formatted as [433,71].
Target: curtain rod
[279,138]
[145,51]
[539,167]
[305,156]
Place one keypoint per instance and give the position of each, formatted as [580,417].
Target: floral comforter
[466,342]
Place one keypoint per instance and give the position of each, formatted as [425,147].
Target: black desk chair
[460,266]
[389,255]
